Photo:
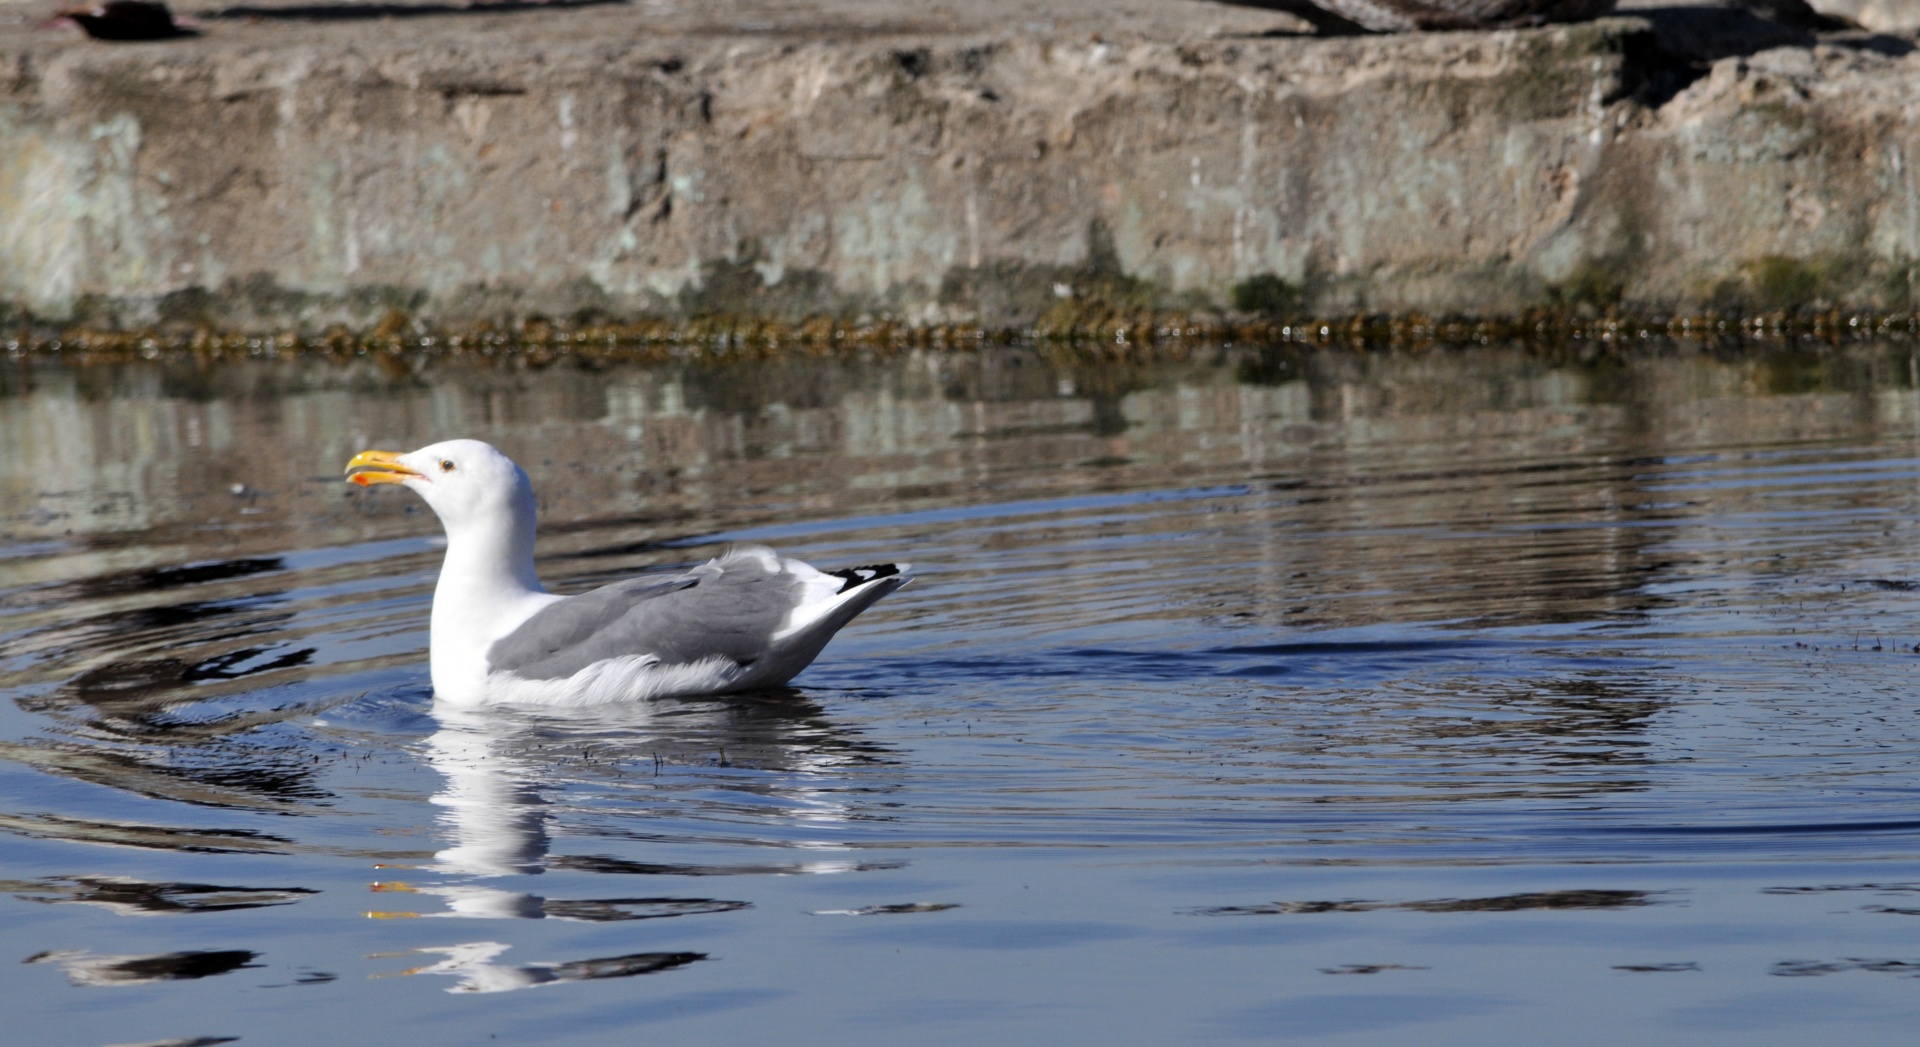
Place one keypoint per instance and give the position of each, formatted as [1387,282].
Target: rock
[1880,16]
[1404,16]
[124,20]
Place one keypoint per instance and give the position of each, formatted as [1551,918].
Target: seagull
[748,619]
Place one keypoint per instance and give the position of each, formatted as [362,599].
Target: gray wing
[731,612]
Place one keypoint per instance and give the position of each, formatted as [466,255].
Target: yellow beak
[378,467]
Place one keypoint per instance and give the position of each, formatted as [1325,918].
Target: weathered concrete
[987,165]
[1883,16]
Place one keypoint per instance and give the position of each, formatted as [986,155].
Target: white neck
[487,588]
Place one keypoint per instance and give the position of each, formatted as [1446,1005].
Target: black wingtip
[858,576]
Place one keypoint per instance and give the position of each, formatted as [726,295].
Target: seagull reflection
[472,963]
[85,968]
[490,800]
[500,767]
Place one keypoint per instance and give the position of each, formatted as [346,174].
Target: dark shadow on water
[1783,829]
[138,722]
[615,910]
[232,775]
[1087,662]
[624,966]
[128,628]
[1877,888]
[248,661]
[1818,968]
[84,968]
[133,834]
[770,728]
[162,579]
[592,863]
[117,685]
[1307,648]
[893,909]
[1539,900]
[1895,890]
[1577,899]
[1590,719]
[136,680]
[127,895]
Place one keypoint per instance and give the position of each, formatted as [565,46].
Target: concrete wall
[1885,16]
[245,179]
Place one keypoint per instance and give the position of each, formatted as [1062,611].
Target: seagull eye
[446,465]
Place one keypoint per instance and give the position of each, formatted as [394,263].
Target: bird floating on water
[748,619]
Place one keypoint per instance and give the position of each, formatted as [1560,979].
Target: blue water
[1472,697]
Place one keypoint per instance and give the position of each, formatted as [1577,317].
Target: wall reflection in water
[186,585]
[126,479]
[257,445]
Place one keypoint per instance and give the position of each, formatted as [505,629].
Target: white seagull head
[487,582]
[468,484]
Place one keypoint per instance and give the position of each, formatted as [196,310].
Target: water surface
[1452,697]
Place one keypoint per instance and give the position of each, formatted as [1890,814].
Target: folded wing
[749,607]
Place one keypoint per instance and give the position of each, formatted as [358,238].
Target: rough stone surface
[1884,16]
[986,163]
